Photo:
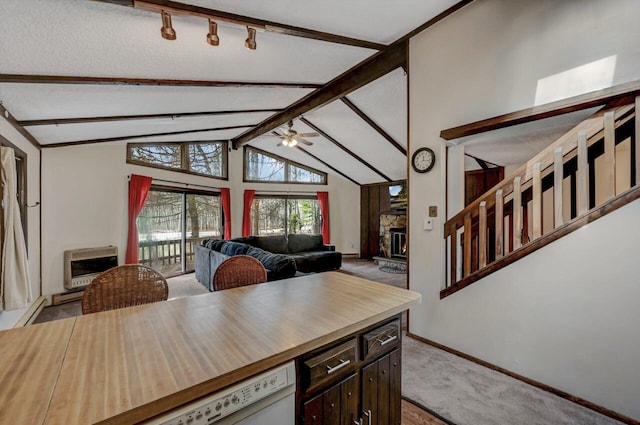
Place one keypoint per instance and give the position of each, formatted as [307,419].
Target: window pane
[206,158]
[264,168]
[303,216]
[268,216]
[160,232]
[203,222]
[302,175]
[162,155]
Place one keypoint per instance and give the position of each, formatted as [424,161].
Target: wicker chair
[124,286]
[239,270]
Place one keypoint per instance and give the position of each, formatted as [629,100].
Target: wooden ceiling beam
[269,26]
[141,136]
[341,146]
[374,125]
[564,106]
[81,120]
[64,79]
[327,165]
[363,73]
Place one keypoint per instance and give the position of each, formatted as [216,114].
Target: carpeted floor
[466,393]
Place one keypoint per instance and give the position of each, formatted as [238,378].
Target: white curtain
[15,287]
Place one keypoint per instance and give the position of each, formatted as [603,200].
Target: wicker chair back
[239,270]
[124,286]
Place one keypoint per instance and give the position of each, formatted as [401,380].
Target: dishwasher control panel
[220,405]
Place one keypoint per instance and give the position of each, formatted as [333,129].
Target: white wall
[85,192]
[33,214]
[563,315]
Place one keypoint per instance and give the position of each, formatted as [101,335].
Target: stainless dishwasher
[265,399]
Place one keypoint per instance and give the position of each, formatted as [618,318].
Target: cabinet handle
[388,340]
[358,422]
[342,364]
[368,415]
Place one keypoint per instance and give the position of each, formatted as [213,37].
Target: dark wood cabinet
[362,380]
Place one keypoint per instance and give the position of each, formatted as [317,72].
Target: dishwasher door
[281,412]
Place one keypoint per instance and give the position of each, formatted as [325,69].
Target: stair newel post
[517,213]
[582,194]
[466,256]
[499,224]
[482,235]
[635,142]
[610,154]
[558,178]
[537,201]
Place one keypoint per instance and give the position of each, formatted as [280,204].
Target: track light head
[250,42]
[167,31]
[212,37]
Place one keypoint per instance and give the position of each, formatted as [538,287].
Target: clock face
[423,160]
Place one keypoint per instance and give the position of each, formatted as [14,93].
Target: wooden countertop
[124,366]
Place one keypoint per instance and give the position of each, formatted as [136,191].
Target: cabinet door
[313,411]
[370,394]
[349,400]
[331,403]
[395,386]
[383,390]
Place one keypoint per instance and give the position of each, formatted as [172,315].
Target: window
[281,215]
[172,222]
[260,166]
[202,158]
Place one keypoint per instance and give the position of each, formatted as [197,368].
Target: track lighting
[212,37]
[167,30]
[250,42]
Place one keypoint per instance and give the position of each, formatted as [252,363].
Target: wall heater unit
[82,265]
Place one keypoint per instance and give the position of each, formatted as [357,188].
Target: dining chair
[239,270]
[124,286]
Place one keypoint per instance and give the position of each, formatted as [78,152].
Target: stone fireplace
[396,223]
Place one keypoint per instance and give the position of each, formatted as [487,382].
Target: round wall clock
[423,160]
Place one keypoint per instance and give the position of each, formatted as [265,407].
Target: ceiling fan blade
[281,143]
[308,134]
[274,134]
[303,141]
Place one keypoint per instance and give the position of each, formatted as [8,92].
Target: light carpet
[466,393]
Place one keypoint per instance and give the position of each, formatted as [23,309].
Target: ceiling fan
[290,138]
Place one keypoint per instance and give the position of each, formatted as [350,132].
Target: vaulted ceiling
[77,71]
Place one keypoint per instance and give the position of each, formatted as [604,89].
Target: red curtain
[323,200]
[138,190]
[249,194]
[225,194]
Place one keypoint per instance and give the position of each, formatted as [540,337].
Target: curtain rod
[181,183]
[286,192]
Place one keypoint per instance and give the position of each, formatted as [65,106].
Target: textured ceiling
[96,39]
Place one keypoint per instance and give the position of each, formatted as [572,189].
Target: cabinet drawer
[331,364]
[380,340]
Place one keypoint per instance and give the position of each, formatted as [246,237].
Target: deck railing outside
[166,255]
[573,176]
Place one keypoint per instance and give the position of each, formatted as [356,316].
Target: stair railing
[506,223]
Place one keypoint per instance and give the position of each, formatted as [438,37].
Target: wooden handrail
[520,197]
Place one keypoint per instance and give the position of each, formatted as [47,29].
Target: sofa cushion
[234,248]
[280,265]
[276,244]
[217,244]
[302,242]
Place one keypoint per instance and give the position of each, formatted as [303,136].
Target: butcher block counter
[128,365]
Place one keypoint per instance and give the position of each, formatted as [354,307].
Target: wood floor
[413,415]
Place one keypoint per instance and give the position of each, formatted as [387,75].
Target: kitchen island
[125,366]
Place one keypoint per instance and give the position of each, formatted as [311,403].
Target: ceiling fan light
[167,31]
[212,37]
[292,143]
[250,42]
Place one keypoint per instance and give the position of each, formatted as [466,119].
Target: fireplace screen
[399,242]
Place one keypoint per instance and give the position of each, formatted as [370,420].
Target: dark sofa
[282,256]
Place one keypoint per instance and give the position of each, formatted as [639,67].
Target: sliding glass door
[172,222]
